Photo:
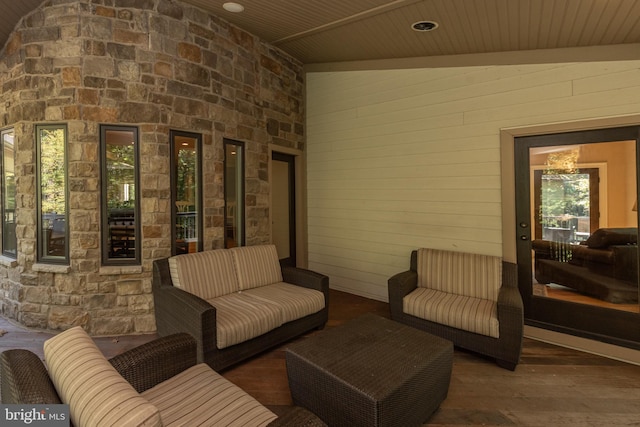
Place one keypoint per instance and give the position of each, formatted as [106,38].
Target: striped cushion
[96,393]
[459,273]
[257,266]
[467,313]
[294,301]
[240,317]
[206,274]
[201,397]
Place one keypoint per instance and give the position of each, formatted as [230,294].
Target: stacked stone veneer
[158,65]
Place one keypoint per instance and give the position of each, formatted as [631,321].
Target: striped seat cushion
[201,397]
[96,393]
[294,301]
[207,274]
[458,311]
[472,275]
[257,266]
[240,317]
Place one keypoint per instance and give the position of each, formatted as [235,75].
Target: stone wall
[158,65]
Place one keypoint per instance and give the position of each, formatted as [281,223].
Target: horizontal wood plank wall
[401,159]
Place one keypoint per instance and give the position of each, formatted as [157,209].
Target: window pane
[119,195]
[186,192]
[9,195]
[585,248]
[234,193]
[53,194]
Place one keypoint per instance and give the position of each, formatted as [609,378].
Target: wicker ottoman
[371,371]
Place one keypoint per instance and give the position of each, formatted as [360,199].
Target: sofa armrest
[305,278]
[25,379]
[179,311]
[625,266]
[297,416]
[398,286]
[156,361]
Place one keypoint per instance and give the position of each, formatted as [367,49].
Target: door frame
[509,229]
[605,325]
[301,252]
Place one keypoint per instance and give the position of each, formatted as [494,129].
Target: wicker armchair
[24,378]
[505,348]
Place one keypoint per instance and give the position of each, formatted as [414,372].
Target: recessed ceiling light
[233,7]
[424,26]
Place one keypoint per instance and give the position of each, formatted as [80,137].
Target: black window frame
[43,235]
[174,191]
[8,230]
[240,210]
[104,220]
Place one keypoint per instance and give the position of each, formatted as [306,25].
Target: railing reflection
[186,227]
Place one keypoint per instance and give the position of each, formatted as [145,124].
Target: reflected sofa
[604,266]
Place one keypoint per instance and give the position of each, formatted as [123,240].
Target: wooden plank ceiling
[338,30]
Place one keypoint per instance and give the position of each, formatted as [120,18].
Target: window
[566,203]
[120,206]
[8,195]
[186,192]
[53,233]
[234,193]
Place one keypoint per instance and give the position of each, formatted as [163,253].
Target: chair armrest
[297,417]
[509,295]
[402,284]
[510,299]
[510,306]
[398,286]
[156,361]
[25,380]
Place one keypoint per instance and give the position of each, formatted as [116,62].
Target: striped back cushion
[207,274]
[257,266]
[96,393]
[472,275]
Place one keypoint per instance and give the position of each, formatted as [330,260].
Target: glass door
[576,207]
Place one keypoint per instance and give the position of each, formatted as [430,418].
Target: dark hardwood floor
[551,386]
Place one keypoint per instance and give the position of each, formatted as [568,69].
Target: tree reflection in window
[186,194]
[9,242]
[52,200]
[234,193]
[119,189]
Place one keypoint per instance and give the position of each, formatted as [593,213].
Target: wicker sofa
[157,383]
[237,302]
[469,299]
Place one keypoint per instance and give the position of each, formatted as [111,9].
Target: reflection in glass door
[578,233]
